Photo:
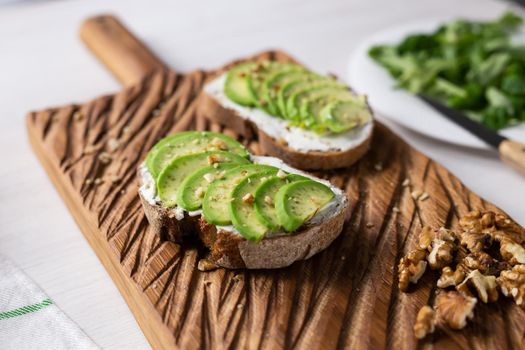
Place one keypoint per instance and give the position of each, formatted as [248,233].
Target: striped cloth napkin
[30,320]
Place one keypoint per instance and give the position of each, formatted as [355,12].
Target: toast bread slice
[212,109]
[232,251]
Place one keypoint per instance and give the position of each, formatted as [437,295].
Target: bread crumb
[89,181]
[90,149]
[240,306]
[369,225]
[424,196]
[105,157]
[98,181]
[237,278]
[395,210]
[378,166]
[406,182]
[343,257]
[125,130]
[122,191]
[113,144]
[78,116]
[206,265]
[113,178]
[416,194]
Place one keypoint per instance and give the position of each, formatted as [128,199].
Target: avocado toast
[309,120]
[251,212]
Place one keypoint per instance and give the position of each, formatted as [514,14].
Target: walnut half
[425,322]
[512,283]
[411,267]
[454,308]
[485,286]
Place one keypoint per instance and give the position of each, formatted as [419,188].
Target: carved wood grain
[345,297]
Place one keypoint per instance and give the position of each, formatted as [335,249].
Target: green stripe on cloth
[25,309]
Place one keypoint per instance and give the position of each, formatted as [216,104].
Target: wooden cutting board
[344,297]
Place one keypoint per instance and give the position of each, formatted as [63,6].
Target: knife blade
[477,129]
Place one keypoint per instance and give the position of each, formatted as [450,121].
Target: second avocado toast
[251,212]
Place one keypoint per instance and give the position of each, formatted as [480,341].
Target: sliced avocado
[192,190]
[273,84]
[310,109]
[161,143]
[303,97]
[292,86]
[236,84]
[174,174]
[242,210]
[257,77]
[216,202]
[341,116]
[265,199]
[299,201]
[292,102]
[195,142]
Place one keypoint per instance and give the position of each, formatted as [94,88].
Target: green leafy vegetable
[469,65]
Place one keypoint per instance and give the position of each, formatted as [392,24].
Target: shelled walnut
[411,267]
[454,308]
[477,272]
[425,322]
[512,252]
[450,277]
[485,286]
[440,245]
[512,283]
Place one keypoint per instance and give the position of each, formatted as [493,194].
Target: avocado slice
[236,84]
[257,77]
[194,142]
[292,86]
[242,210]
[265,199]
[192,190]
[298,201]
[273,83]
[161,143]
[341,116]
[292,102]
[216,202]
[310,109]
[174,174]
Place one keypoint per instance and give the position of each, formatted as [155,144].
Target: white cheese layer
[296,138]
[148,190]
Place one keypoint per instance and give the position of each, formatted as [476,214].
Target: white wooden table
[43,63]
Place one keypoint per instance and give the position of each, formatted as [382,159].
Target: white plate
[366,76]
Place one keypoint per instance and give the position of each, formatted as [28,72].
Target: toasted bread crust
[233,251]
[313,160]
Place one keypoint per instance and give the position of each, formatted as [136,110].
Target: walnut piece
[512,283]
[450,277]
[441,254]
[454,308]
[475,241]
[411,267]
[485,286]
[440,244]
[425,322]
[481,261]
[512,252]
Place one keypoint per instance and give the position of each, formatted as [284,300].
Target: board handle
[122,52]
[513,154]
